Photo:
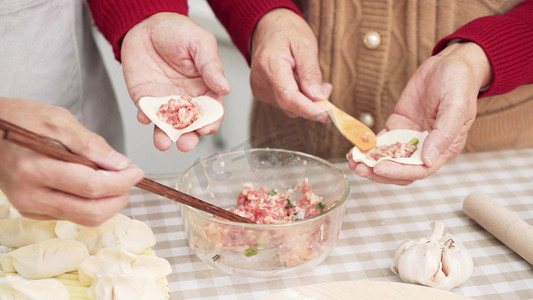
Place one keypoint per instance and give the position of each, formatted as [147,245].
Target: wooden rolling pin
[504,224]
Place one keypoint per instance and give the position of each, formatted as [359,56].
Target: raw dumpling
[132,235]
[211,111]
[17,231]
[4,250]
[18,288]
[403,136]
[6,209]
[109,287]
[117,262]
[21,231]
[45,259]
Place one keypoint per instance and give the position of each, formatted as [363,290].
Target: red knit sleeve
[114,18]
[508,42]
[239,17]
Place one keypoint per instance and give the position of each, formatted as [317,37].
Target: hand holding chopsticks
[43,145]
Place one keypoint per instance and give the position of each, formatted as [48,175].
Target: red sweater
[114,18]
[508,42]
[507,39]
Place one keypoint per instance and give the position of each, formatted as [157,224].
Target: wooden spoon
[351,128]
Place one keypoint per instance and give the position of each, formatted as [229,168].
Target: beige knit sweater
[367,80]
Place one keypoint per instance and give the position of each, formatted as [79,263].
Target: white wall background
[234,130]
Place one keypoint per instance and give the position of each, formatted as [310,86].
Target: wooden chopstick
[54,149]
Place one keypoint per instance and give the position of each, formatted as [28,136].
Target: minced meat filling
[272,207]
[179,113]
[396,150]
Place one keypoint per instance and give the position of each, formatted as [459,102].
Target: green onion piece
[216,257]
[413,141]
[251,252]
[273,192]
[320,206]
[289,204]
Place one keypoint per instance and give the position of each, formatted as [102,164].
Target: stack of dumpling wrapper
[62,260]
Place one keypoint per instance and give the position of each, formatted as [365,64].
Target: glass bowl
[262,250]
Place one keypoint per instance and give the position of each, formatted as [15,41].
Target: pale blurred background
[234,132]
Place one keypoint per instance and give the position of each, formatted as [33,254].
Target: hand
[40,187]
[441,98]
[168,54]
[285,71]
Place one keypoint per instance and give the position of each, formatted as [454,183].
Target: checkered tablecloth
[378,217]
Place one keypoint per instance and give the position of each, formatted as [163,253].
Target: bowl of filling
[296,200]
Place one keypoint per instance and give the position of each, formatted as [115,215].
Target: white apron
[47,54]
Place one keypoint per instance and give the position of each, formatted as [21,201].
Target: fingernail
[377,169]
[324,118]
[317,92]
[120,160]
[432,157]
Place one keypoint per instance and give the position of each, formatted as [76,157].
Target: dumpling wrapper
[6,209]
[119,262]
[45,259]
[391,137]
[21,231]
[16,287]
[211,109]
[3,251]
[110,287]
[3,197]
[133,235]
[17,231]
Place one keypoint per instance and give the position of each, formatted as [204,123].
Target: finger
[291,100]
[62,206]
[396,171]
[210,66]
[214,78]
[142,118]
[80,180]
[161,140]
[278,76]
[76,137]
[210,128]
[308,72]
[188,141]
[352,164]
[327,88]
[37,216]
[450,128]
[367,172]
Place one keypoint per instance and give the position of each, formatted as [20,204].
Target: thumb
[211,69]
[92,146]
[448,133]
[310,75]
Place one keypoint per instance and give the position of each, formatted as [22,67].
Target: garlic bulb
[440,261]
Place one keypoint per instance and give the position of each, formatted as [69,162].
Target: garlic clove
[441,261]
[211,111]
[457,263]
[420,263]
